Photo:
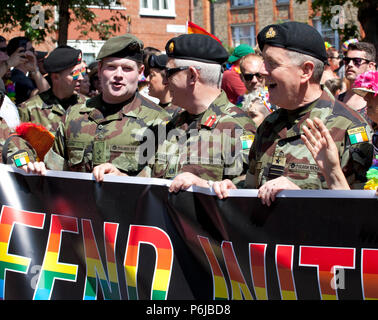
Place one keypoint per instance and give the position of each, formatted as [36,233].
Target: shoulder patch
[21,159]
[247,141]
[357,135]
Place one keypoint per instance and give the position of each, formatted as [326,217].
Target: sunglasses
[338,57]
[356,61]
[169,72]
[76,73]
[249,76]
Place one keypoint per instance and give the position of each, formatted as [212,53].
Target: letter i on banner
[369,269]
[326,260]
[238,284]
[219,283]
[95,269]
[11,262]
[257,253]
[164,260]
[284,266]
[51,268]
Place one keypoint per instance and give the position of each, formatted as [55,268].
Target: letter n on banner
[95,269]
[51,268]
[164,260]
[326,260]
[219,283]
[11,262]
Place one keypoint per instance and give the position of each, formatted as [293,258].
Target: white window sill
[150,13]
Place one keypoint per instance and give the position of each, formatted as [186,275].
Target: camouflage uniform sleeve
[18,151]
[357,156]
[24,113]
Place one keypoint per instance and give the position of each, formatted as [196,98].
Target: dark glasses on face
[249,76]
[356,61]
[169,72]
[76,73]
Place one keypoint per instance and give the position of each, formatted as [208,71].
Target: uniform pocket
[126,158]
[75,152]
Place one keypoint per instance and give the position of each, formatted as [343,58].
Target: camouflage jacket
[279,151]
[213,145]
[45,109]
[16,146]
[86,138]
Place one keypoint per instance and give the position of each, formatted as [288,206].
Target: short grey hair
[298,59]
[210,73]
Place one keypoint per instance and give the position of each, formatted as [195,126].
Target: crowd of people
[292,113]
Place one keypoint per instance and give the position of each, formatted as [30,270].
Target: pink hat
[365,83]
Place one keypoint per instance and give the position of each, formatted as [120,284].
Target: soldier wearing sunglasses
[359,58]
[65,69]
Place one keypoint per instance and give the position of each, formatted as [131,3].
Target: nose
[263,70]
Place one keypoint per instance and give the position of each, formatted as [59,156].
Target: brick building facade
[239,21]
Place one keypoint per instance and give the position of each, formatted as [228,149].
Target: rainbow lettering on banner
[369,268]
[164,260]
[257,253]
[326,260]
[219,283]
[51,268]
[95,268]
[284,265]
[235,274]
[11,262]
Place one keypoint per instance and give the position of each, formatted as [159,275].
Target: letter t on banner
[326,260]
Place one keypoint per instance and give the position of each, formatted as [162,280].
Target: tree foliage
[19,13]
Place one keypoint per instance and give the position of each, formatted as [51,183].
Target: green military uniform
[86,137]
[46,109]
[213,145]
[279,151]
[95,132]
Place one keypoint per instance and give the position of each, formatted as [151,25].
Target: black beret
[197,47]
[294,36]
[61,58]
[124,46]
[158,61]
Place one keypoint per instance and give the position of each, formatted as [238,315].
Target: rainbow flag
[193,28]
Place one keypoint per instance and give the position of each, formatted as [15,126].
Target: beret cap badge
[171,47]
[271,33]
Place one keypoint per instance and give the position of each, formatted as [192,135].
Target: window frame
[252,36]
[237,5]
[170,12]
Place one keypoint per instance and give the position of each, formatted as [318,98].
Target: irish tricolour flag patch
[357,135]
[21,159]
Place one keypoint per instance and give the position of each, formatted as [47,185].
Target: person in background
[85,86]
[323,148]
[360,57]
[231,82]
[143,82]
[333,64]
[66,70]
[26,86]
[156,86]
[335,86]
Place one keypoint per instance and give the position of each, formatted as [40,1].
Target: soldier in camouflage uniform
[109,128]
[210,140]
[65,68]
[294,56]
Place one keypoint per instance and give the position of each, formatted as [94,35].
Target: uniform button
[281,143]
[100,126]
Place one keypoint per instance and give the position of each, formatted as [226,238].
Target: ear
[307,71]
[54,76]
[194,75]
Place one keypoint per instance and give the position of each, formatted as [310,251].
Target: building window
[282,1]
[242,3]
[330,35]
[164,8]
[243,34]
